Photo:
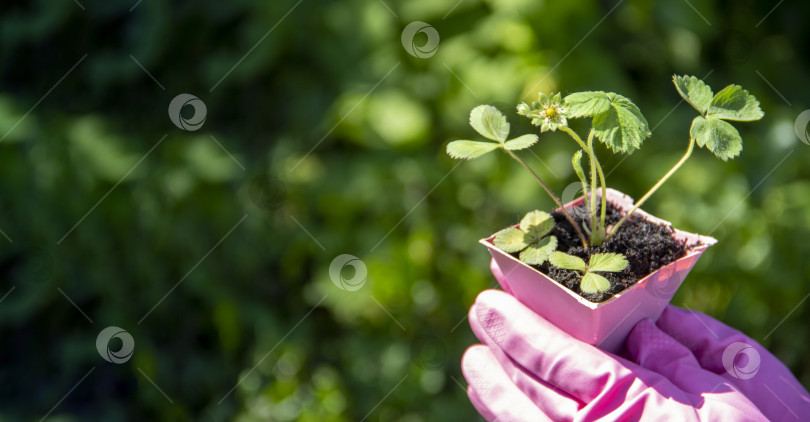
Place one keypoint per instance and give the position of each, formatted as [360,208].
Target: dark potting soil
[647,246]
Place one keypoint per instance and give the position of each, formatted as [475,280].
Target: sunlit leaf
[720,137]
[521,142]
[589,103]
[489,122]
[622,127]
[609,262]
[537,253]
[576,162]
[694,91]
[593,283]
[467,150]
[511,240]
[735,103]
[569,262]
[537,223]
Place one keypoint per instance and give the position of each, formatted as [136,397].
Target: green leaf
[584,104]
[537,223]
[609,262]
[467,150]
[537,253]
[593,283]
[521,142]
[694,91]
[735,103]
[719,136]
[577,163]
[569,262]
[622,128]
[511,240]
[489,122]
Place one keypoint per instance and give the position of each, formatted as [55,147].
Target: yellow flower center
[551,112]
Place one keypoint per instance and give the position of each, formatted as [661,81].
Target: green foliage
[622,127]
[489,122]
[711,129]
[694,91]
[736,104]
[616,120]
[587,104]
[521,142]
[719,136]
[531,238]
[511,240]
[569,262]
[467,150]
[609,262]
[591,282]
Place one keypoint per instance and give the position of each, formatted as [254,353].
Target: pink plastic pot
[607,324]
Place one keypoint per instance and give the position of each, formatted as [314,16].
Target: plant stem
[601,179]
[578,140]
[594,227]
[554,197]
[655,187]
[589,204]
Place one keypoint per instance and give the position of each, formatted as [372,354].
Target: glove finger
[742,361]
[657,351]
[542,349]
[491,391]
[480,406]
[554,402]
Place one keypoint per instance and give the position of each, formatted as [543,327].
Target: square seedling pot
[606,324]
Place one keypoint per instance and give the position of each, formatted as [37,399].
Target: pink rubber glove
[688,367]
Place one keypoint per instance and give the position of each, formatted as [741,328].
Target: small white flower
[551,113]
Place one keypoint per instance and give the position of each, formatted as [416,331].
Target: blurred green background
[324,136]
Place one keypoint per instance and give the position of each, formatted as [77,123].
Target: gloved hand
[687,367]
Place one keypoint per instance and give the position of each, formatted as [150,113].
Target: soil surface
[648,246]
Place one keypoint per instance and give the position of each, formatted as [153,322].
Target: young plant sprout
[619,124]
[531,239]
[601,262]
[616,122]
